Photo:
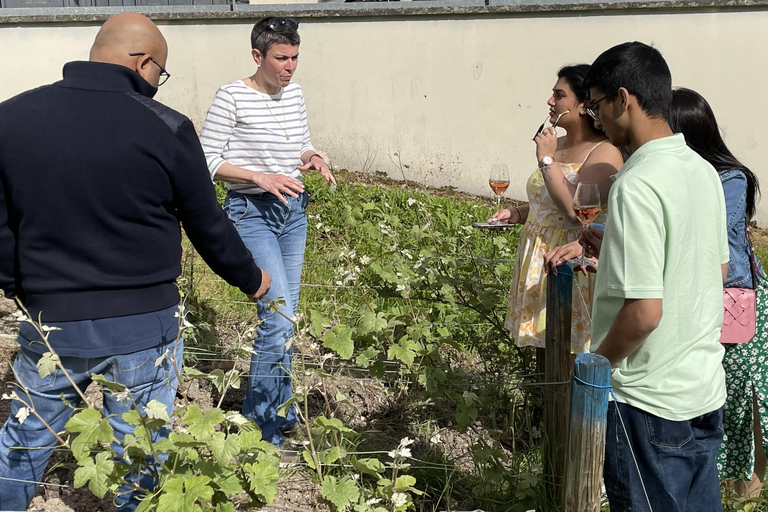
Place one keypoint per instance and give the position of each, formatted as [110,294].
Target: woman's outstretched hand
[500,217]
[315,162]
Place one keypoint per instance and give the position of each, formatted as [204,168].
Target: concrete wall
[451,94]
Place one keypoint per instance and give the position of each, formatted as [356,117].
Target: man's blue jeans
[21,468]
[676,461]
[276,235]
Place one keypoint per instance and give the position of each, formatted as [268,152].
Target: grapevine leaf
[404,350]
[157,410]
[202,426]
[193,373]
[341,493]
[318,323]
[404,483]
[218,379]
[332,455]
[340,341]
[230,485]
[95,473]
[332,425]
[112,386]
[224,447]
[373,467]
[46,365]
[263,479]
[92,429]
[132,417]
[371,322]
[308,459]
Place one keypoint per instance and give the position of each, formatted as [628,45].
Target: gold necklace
[256,86]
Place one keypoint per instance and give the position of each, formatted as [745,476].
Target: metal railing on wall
[32,4]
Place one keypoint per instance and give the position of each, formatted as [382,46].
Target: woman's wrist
[519,216]
[315,155]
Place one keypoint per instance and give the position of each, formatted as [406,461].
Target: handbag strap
[754,267]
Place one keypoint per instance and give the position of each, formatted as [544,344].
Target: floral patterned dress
[546,228]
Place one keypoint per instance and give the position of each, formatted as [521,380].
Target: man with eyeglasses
[95,177]
[658,302]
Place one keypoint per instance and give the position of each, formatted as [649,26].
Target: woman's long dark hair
[692,116]
[574,75]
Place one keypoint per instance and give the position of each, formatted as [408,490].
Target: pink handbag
[739,315]
[740,306]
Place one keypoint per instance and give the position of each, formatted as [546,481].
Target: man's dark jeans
[676,461]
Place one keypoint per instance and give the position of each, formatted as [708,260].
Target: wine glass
[586,204]
[499,181]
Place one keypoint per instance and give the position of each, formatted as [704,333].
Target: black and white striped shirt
[256,131]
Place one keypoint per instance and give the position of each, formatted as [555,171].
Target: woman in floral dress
[742,456]
[582,155]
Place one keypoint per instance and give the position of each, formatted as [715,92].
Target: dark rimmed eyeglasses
[592,111]
[283,24]
[164,75]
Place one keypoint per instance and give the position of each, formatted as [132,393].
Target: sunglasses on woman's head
[283,24]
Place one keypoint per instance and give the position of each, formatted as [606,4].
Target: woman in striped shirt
[256,139]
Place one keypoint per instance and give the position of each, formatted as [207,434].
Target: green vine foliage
[411,289]
[209,458]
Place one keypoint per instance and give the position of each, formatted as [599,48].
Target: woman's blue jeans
[21,468]
[675,458]
[276,235]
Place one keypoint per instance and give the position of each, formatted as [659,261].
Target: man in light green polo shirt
[658,302]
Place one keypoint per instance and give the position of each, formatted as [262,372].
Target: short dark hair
[641,70]
[574,75]
[263,37]
[691,115]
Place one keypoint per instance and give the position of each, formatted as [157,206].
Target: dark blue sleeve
[7,238]
[204,221]
[7,247]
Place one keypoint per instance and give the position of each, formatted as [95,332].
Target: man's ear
[257,57]
[624,96]
[142,65]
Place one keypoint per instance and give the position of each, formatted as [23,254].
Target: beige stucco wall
[451,95]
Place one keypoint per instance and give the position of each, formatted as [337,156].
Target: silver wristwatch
[545,162]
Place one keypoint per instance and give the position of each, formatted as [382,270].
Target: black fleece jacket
[95,177]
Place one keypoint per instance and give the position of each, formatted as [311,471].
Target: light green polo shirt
[665,238]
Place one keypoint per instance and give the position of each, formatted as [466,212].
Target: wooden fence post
[556,369]
[586,433]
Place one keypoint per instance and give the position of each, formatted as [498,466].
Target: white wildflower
[123,397]
[399,499]
[22,415]
[48,328]
[365,260]
[402,451]
[411,201]
[10,396]
[400,288]
[319,225]
[373,501]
